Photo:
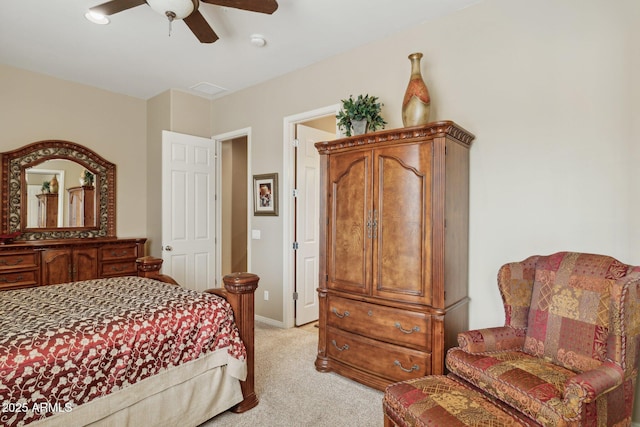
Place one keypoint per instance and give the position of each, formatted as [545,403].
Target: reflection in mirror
[84,205]
[60,193]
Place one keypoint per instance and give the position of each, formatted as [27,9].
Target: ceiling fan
[187,10]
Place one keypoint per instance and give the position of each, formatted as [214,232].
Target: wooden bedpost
[240,291]
[149,266]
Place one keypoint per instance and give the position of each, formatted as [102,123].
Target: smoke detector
[258,40]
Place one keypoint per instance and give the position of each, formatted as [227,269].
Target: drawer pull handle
[119,254]
[5,280]
[335,311]
[407,331]
[343,348]
[413,368]
[117,268]
[18,261]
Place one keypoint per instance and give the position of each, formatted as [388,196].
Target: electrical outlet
[266,295]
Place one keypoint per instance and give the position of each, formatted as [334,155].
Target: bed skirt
[186,395]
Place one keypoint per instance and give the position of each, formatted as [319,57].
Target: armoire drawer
[402,327]
[386,360]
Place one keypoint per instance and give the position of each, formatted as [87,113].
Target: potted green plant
[360,114]
[46,187]
[86,178]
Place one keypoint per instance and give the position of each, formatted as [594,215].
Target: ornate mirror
[57,190]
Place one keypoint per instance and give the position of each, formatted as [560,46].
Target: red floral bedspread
[64,345]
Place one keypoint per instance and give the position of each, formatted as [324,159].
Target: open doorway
[233,202]
[301,211]
[233,197]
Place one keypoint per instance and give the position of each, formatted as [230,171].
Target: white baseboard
[275,323]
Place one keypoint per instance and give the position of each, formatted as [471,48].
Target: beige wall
[158,119]
[632,118]
[543,85]
[35,107]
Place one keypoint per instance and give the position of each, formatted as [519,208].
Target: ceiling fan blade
[200,27]
[115,6]
[262,6]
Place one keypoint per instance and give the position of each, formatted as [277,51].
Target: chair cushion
[437,400]
[569,314]
[530,384]
[536,388]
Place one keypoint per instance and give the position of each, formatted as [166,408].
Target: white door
[188,209]
[307,222]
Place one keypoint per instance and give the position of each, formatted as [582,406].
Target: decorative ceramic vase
[359,126]
[53,185]
[416,103]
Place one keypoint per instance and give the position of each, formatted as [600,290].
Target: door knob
[168,248]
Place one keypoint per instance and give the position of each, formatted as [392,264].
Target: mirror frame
[14,164]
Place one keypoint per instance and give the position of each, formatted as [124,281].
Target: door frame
[218,139]
[288,277]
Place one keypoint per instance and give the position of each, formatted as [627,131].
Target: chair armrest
[589,385]
[491,339]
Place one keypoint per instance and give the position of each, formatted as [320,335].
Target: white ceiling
[134,55]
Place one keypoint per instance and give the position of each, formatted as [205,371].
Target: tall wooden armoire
[82,211]
[47,210]
[394,251]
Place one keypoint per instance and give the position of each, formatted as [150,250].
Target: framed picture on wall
[265,194]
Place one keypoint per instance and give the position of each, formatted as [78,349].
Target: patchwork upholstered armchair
[568,353]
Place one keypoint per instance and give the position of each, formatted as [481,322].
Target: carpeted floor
[293,394]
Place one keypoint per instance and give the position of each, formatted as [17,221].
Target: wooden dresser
[48,262]
[394,252]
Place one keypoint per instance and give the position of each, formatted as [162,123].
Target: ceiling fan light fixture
[97,18]
[180,8]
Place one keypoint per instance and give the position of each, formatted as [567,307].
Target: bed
[126,351]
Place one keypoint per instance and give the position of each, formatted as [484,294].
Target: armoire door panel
[349,223]
[402,198]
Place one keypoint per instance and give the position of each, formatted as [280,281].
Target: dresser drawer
[124,268]
[387,360]
[403,327]
[18,260]
[116,252]
[18,279]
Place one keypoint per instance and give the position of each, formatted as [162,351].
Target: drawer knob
[335,311]
[407,331]
[343,348]
[413,368]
